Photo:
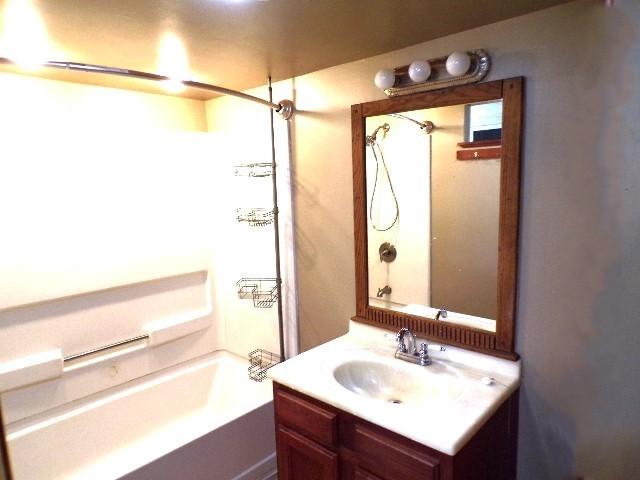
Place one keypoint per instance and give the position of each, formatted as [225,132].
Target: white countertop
[442,424]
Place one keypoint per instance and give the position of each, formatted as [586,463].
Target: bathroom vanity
[349,410]
[436,179]
[311,448]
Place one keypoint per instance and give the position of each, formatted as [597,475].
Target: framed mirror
[436,180]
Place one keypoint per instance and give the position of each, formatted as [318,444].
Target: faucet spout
[402,345]
[442,313]
[386,290]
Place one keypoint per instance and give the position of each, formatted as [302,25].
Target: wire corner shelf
[259,362]
[255,217]
[263,291]
[256,170]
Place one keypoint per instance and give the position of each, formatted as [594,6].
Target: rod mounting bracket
[286,109]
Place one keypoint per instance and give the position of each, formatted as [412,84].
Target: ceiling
[238,43]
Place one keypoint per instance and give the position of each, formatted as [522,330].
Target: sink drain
[395,401]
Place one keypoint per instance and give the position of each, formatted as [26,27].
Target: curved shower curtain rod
[284,108]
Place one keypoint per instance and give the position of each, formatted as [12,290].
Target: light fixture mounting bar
[284,108]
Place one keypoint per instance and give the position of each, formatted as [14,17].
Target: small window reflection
[483,121]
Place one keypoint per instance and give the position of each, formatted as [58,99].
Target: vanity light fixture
[458,63]
[457,68]
[419,71]
[384,79]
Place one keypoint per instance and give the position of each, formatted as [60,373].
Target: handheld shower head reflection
[372,138]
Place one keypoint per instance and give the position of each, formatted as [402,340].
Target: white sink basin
[441,405]
[397,383]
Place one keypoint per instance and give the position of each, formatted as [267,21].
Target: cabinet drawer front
[391,459]
[312,420]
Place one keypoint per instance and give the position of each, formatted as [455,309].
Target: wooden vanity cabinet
[316,441]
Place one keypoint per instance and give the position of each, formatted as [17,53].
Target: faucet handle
[436,348]
[425,359]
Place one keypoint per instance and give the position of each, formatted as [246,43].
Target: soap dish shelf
[259,362]
[263,291]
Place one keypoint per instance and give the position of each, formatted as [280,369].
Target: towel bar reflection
[76,356]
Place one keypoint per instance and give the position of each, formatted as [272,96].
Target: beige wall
[464,221]
[579,267]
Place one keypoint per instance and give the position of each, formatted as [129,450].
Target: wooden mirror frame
[500,343]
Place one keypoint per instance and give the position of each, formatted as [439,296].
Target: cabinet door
[302,459]
[392,459]
[364,475]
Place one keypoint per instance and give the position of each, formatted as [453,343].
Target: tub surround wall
[245,129]
[102,318]
[118,213]
[103,199]
[578,262]
[136,189]
[407,155]
[85,173]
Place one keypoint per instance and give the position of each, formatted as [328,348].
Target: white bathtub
[203,419]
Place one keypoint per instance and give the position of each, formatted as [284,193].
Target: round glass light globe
[385,79]
[419,71]
[458,63]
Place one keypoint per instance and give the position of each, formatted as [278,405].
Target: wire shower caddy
[256,170]
[255,217]
[259,362]
[263,291]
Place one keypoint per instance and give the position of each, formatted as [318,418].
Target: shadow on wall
[613,350]
[323,229]
[551,435]
[579,292]
[608,444]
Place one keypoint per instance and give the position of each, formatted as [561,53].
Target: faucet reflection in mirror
[448,230]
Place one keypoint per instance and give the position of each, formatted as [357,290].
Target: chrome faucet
[409,352]
[384,291]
